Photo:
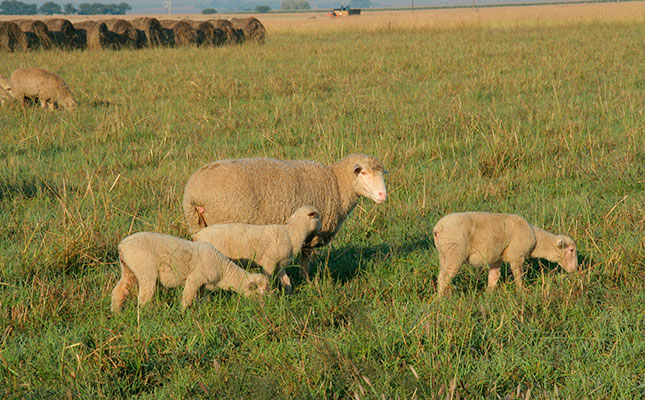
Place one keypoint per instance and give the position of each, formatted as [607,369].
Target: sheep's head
[568,254]
[257,286]
[70,104]
[370,181]
[310,215]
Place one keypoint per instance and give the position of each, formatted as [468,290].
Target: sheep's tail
[194,216]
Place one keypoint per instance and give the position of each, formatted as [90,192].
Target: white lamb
[146,257]
[269,246]
[488,239]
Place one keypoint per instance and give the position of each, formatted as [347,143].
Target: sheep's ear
[357,169]
[561,243]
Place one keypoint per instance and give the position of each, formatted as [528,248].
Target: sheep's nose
[381,196]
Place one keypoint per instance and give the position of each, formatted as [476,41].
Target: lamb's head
[369,177]
[257,285]
[567,253]
[310,216]
[69,104]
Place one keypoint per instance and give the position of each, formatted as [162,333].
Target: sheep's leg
[517,267]
[493,275]
[122,288]
[193,283]
[285,282]
[449,266]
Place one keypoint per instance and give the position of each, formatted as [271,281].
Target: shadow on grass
[100,103]
[346,262]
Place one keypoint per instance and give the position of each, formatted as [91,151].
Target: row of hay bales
[26,34]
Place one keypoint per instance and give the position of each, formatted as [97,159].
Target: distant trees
[262,9]
[103,9]
[50,8]
[209,11]
[69,9]
[14,7]
[17,7]
[295,5]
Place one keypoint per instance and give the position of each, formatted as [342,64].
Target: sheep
[46,86]
[146,257]
[266,191]
[488,239]
[269,246]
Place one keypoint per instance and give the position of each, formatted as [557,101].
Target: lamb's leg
[449,266]
[305,258]
[193,283]
[122,288]
[147,285]
[493,275]
[517,267]
[285,282]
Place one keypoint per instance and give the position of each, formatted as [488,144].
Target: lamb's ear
[357,169]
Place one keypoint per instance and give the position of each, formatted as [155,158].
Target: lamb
[266,191]
[46,86]
[488,239]
[146,257]
[269,246]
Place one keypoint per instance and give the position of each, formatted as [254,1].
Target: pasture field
[542,117]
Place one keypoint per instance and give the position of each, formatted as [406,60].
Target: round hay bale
[211,36]
[231,35]
[11,37]
[182,33]
[124,33]
[150,32]
[251,28]
[97,35]
[64,34]
[38,35]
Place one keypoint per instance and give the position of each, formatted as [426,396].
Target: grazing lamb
[269,246]
[146,257]
[488,239]
[35,82]
[265,191]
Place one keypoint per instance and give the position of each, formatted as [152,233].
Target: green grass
[544,121]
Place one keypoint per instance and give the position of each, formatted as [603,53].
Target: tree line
[16,7]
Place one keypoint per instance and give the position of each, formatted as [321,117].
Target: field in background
[540,115]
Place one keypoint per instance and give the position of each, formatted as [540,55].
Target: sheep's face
[370,183]
[257,286]
[70,104]
[568,253]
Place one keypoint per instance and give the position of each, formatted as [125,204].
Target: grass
[540,119]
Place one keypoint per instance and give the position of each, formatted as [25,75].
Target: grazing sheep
[488,239]
[46,86]
[146,257]
[269,246]
[265,191]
